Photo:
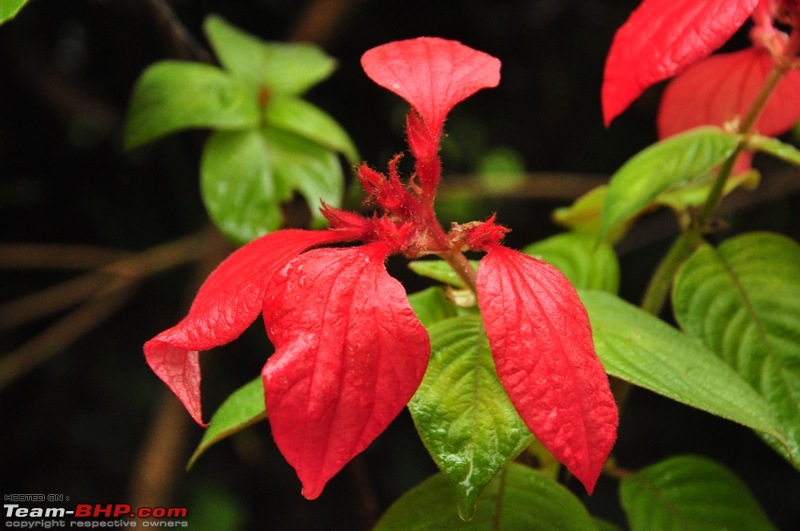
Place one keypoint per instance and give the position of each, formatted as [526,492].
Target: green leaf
[243,408]
[519,498]
[302,165]
[641,349]
[666,165]
[172,95]
[587,264]
[283,68]
[462,412]
[743,301]
[439,270]
[10,8]
[431,305]
[774,147]
[689,493]
[304,119]
[237,185]
[585,213]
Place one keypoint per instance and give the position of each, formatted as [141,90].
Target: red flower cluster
[664,38]
[349,351]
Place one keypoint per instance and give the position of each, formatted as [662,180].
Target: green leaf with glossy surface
[243,408]
[587,264]
[304,119]
[774,147]
[743,301]
[431,306]
[667,165]
[519,498]
[302,165]
[285,68]
[171,96]
[237,185]
[639,348]
[462,412]
[689,493]
[439,270]
[10,8]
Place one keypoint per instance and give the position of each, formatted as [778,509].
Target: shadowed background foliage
[122,243]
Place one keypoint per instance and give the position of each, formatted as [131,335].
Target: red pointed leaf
[431,74]
[660,39]
[227,303]
[349,354]
[722,87]
[541,341]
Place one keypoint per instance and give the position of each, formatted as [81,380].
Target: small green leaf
[585,213]
[690,493]
[282,68]
[302,165]
[641,349]
[667,165]
[304,119]
[439,270]
[518,498]
[431,305]
[10,8]
[587,264]
[462,412]
[774,147]
[243,408]
[172,95]
[743,301]
[237,185]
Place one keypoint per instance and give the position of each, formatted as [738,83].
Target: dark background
[82,415]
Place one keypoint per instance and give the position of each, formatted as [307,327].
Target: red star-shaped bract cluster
[349,351]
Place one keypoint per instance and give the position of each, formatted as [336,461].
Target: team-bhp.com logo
[95,515]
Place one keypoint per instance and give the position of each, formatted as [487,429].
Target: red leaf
[660,39]
[431,74]
[349,354]
[722,88]
[541,341]
[227,303]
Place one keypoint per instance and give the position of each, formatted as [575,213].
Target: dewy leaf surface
[641,349]
[171,96]
[690,493]
[238,185]
[462,412]
[743,301]
[306,120]
[243,408]
[519,498]
[285,68]
[349,354]
[666,165]
[431,74]
[225,305]
[302,165]
[660,39]
[541,341]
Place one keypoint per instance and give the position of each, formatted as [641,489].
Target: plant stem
[658,289]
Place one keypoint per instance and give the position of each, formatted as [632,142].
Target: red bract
[541,341]
[346,361]
[660,39]
[721,89]
[432,75]
[226,304]
[349,351]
